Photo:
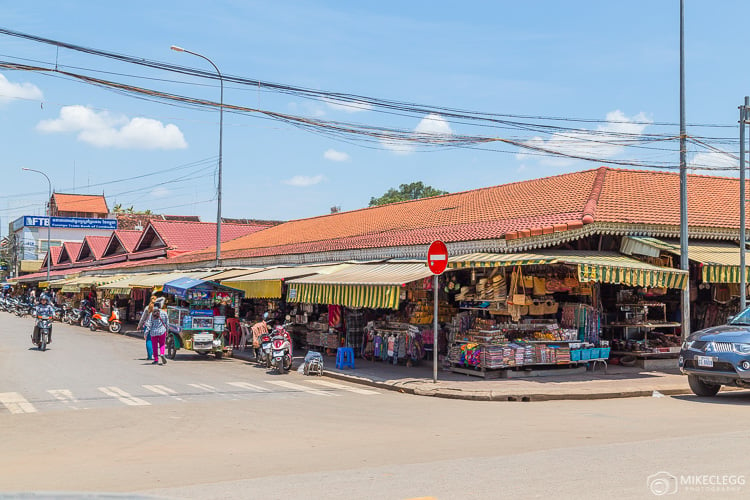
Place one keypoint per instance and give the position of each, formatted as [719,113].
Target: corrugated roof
[283,273]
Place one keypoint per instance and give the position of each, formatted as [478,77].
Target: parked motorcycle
[23,309]
[111,323]
[72,315]
[281,353]
[42,332]
[264,352]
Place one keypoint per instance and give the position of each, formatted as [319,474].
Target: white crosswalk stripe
[297,387]
[163,390]
[65,396]
[123,396]
[15,403]
[249,386]
[204,387]
[333,385]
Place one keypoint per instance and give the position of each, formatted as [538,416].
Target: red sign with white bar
[437,257]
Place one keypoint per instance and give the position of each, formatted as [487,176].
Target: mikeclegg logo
[663,483]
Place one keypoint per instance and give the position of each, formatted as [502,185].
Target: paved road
[94,416]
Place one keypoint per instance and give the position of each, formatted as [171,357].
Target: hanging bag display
[518,295]
[540,286]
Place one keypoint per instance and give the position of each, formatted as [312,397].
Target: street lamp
[49,218]
[221,133]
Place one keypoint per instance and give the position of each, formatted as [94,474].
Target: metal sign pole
[435,291]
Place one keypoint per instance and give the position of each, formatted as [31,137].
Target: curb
[502,396]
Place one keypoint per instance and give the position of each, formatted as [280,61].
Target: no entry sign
[437,257]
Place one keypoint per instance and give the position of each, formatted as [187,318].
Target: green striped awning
[497,260]
[720,260]
[367,296]
[372,286]
[602,267]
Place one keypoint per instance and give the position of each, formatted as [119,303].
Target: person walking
[157,327]
[145,315]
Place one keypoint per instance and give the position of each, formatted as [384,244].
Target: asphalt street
[92,415]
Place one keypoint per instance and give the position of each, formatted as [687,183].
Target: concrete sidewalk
[617,382]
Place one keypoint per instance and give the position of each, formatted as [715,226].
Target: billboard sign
[65,222]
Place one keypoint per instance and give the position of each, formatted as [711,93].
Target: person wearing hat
[156,326]
[43,308]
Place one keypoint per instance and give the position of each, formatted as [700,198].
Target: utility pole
[743,269]
[684,261]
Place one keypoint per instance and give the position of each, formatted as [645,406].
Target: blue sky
[615,63]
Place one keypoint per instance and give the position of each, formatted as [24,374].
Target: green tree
[405,192]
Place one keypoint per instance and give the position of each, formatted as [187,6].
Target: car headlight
[687,344]
[742,348]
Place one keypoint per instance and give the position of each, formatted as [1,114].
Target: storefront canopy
[372,286]
[152,280]
[267,284]
[188,288]
[233,273]
[720,260]
[603,267]
[83,282]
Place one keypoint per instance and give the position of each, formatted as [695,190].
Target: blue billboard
[64,222]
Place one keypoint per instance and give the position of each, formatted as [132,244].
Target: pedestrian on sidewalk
[157,327]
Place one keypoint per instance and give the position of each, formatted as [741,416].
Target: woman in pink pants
[157,327]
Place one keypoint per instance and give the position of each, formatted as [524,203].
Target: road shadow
[734,398]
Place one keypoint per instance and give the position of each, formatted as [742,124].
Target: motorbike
[22,309]
[86,317]
[111,323]
[43,331]
[72,315]
[281,349]
[264,352]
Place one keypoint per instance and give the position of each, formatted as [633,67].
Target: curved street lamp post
[49,217]
[221,133]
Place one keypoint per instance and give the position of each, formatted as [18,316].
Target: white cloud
[160,192]
[304,180]
[604,142]
[334,155]
[347,106]
[429,127]
[714,163]
[10,91]
[101,129]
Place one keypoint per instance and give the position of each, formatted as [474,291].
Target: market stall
[550,308]
[200,323]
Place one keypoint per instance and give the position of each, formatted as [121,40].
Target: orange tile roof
[128,238]
[80,203]
[181,236]
[510,211]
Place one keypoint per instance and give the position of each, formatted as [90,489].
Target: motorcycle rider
[259,329]
[44,308]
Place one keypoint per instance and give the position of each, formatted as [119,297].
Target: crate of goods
[604,352]
[575,355]
[585,354]
[594,353]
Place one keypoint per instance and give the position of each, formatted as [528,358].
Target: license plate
[705,361]
[278,354]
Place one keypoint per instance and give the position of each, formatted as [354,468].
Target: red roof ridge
[589,210]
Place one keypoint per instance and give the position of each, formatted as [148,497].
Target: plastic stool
[344,358]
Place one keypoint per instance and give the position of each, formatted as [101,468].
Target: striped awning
[602,267]
[372,286]
[720,260]
[268,283]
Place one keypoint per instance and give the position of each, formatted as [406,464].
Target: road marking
[205,387]
[163,390]
[246,385]
[334,385]
[297,387]
[123,396]
[15,403]
[65,396]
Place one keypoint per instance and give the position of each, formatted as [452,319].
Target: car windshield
[742,318]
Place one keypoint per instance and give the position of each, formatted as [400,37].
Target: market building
[544,273]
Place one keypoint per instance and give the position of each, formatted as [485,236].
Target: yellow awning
[267,283]
[152,280]
[372,286]
[720,260]
[603,267]
[263,289]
